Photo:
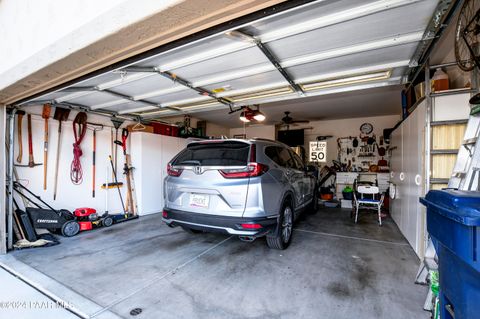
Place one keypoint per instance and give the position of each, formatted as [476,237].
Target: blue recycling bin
[453,221]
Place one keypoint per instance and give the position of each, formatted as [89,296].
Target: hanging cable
[79,130]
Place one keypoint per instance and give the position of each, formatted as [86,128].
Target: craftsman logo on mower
[48,221]
[198,170]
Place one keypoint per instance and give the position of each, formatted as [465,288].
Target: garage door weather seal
[154,281]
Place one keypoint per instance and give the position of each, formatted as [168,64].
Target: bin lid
[460,206]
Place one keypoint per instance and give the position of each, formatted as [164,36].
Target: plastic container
[453,221]
[440,81]
[347,193]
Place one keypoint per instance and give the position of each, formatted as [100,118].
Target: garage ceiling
[319,48]
[351,104]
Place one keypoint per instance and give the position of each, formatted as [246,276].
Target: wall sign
[318,152]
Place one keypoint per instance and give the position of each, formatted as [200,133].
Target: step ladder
[465,174]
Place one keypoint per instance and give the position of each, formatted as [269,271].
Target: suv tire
[313,206]
[283,235]
[191,231]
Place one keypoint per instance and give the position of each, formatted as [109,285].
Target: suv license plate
[199,200]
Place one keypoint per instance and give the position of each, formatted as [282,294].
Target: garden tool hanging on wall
[45,115]
[79,129]
[20,115]
[116,123]
[31,161]
[94,127]
[60,115]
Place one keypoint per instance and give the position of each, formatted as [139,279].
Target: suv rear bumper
[217,223]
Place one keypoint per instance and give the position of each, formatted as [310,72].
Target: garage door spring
[79,130]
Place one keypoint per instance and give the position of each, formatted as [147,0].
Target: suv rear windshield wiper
[194,162]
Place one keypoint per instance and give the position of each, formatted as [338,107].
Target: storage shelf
[452,92]
[437,152]
[439,180]
[451,122]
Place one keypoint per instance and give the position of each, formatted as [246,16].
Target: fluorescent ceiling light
[197,106]
[349,72]
[186,101]
[147,114]
[139,109]
[354,79]
[253,89]
[262,94]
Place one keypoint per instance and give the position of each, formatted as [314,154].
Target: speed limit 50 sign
[318,152]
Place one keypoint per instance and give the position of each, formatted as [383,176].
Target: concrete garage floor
[333,269]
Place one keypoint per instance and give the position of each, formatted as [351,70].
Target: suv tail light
[172,171]
[252,170]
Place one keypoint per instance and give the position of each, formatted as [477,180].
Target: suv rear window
[231,153]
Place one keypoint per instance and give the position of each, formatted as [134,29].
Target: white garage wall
[264,131]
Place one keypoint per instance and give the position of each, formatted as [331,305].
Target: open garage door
[312,49]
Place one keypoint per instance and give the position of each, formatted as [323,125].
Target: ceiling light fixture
[243,117]
[248,115]
[354,79]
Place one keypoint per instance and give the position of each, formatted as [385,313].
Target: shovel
[60,115]
[45,115]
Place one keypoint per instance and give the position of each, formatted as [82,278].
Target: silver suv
[249,188]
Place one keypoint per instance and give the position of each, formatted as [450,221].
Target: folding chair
[374,203]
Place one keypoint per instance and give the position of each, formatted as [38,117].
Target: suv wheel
[283,236]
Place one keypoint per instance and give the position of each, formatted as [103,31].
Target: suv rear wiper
[194,162]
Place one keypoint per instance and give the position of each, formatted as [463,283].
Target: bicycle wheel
[465,38]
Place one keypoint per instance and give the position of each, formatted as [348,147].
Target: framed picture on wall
[239,136]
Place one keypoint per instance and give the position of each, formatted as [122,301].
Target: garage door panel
[312,11]
[51,96]
[354,61]
[187,51]
[102,79]
[94,98]
[125,106]
[226,63]
[176,96]
[152,83]
[250,81]
[375,27]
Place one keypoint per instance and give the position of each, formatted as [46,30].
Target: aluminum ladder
[466,174]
